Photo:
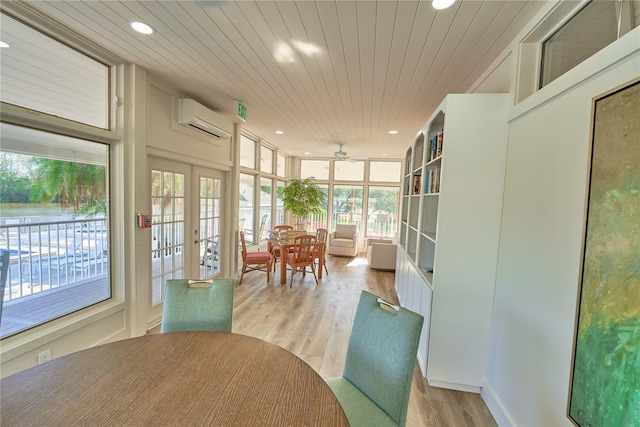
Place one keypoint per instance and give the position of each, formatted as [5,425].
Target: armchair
[381,254]
[343,241]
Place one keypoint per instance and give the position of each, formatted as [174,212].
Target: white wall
[167,138]
[538,268]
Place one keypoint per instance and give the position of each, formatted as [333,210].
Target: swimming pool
[14,252]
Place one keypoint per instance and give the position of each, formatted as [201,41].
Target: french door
[187,206]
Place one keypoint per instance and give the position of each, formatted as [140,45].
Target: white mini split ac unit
[197,116]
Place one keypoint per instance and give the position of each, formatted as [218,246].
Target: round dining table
[180,378]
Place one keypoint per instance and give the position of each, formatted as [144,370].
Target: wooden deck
[33,310]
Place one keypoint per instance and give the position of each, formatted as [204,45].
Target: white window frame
[21,343]
[529,61]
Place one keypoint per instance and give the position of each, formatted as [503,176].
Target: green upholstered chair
[5,257]
[198,307]
[376,381]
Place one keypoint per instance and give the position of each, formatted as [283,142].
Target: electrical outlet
[45,356]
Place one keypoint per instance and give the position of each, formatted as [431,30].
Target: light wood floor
[314,323]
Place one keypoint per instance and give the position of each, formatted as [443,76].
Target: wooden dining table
[180,378]
[285,245]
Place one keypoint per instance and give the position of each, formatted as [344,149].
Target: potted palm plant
[303,197]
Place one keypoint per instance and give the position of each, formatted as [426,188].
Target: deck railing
[46,256]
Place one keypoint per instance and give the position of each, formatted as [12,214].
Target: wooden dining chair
[321,246]
[274,248]
[254,261]
[198,306]
[381,355]
[302,256]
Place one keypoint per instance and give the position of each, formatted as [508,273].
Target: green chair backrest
[381,355]
[5,257]
[198,308]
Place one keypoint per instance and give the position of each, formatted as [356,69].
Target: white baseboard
[454,386]
[495,406]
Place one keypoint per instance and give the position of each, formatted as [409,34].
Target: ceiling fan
[341,155]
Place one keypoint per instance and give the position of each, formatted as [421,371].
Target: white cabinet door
[415,295]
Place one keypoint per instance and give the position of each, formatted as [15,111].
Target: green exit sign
[241,111]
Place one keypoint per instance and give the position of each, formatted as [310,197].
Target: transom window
[347,170]
[591,29]
[266,160]
[43,75]
[571,33]
[319,169]
[281,166]
[385,171]
[247,152]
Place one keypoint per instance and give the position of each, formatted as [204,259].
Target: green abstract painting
[605,386]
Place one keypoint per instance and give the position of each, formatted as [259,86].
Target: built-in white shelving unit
[451,210]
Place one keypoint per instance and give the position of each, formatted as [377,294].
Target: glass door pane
[167,230]
[210,218]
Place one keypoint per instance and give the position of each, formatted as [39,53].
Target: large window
[321,220]
[258,213]
[54,222]
[381,186]
[279,215]
[246,212]
[54,189]
[266,191]
[347,204]
[382,209]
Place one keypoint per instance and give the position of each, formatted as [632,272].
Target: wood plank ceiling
[323,72]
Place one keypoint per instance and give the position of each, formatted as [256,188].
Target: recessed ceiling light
[307,153]
[279,132]
[3,44]
[141,27]
[442,4]
[393,132]
[284,53]
[385,154]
